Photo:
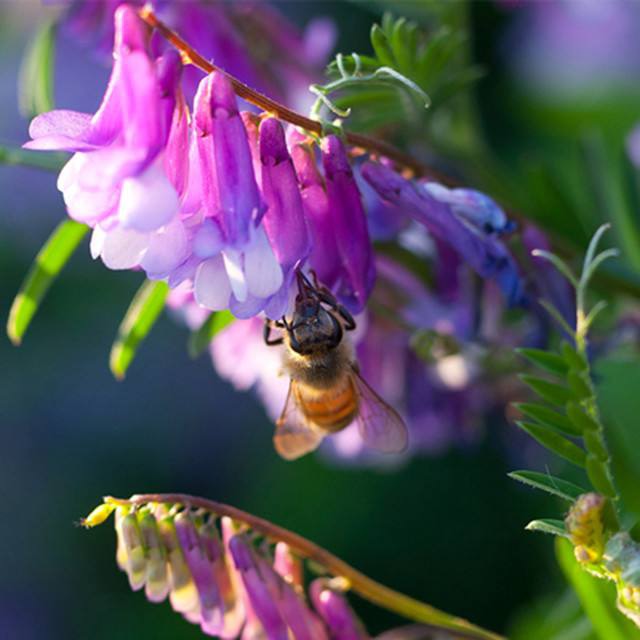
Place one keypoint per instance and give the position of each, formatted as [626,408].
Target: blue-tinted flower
[482,251]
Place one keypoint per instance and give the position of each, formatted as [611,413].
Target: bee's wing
[294,437]
[380,425]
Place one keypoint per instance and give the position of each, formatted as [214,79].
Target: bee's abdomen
[330,409]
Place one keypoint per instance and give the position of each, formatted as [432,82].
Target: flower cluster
[216,575]
[226,205]
[250,39]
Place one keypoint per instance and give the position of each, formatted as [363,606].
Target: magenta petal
[257,591]
[61,130]
[325,258]
[201,569]
[350,225]
[240,202]
[284,221]
[337,614]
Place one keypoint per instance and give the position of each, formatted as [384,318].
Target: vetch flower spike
[247,575]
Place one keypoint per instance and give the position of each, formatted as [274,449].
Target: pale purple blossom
[119,180]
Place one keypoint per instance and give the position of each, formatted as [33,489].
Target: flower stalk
[353,579]
[190,56]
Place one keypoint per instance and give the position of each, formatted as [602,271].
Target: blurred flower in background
[570,47]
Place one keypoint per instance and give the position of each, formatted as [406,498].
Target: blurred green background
[445,529]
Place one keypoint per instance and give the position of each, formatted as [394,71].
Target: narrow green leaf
[579,385]
[598,473]
[548,418]
[558,317]
[50,260]
[593,245]
[573,358]
[548,525]
[558,263]
[549,391]
[579,418]
[546,482]
[594,445]
[136,324]
[597,597]
[551,362]
[381,46]
[200,339]
[48,160]
[555,442]
[35,83]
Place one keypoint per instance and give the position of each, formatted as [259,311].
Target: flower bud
[585,525]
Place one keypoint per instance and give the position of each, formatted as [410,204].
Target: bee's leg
[267,335]
[330,300]
[349,322]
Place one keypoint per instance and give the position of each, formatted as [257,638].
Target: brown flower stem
[191,56]
[358,582]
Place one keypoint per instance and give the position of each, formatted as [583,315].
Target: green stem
[23,157]
[599,470]
[358,582]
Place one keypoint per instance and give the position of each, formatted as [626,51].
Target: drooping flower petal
[147,201]
[324,258]
[484,253]
[211,286]
[474,206]
[230,191]
[342,622]
[258,593]
[350,225]
[284,221]
[168,247]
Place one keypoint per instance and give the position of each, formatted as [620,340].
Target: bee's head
[312,328]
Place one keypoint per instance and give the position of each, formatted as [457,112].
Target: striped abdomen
[330,409]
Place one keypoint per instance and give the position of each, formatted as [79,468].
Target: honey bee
[326,390]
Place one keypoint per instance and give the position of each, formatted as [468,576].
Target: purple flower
[566,48]
[250,40]
[237,266]
[334,609]
[349,226]
[119,179]
[482,251]
[325,258]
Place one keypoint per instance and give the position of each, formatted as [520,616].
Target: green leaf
[50,260]
[555,442]
[200,339]
[597,597]
[598,473]
[580,419]
[35,83]
[381,46]
[573,358]
[558,317]
[579,386]
[551,362]
[558,263]
[136,324]
[548,418]
[549,391]
[548,525]
[546,482]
